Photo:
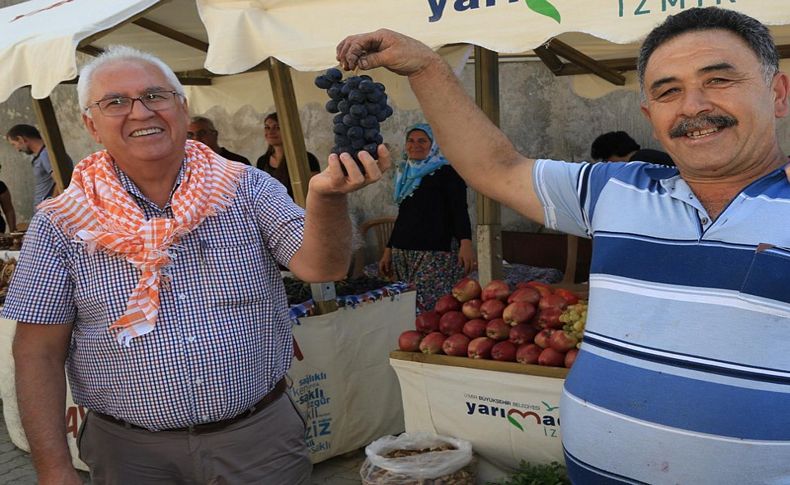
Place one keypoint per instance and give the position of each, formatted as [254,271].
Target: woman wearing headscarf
[431,242]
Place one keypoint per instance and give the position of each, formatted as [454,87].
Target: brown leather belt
[269,398]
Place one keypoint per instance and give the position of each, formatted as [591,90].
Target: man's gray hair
[203,121]
[120,53]
[754,34]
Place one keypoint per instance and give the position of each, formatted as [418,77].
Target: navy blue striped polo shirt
[684,373]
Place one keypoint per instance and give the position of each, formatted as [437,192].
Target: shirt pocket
[103,285]
[768,272]
[235,274]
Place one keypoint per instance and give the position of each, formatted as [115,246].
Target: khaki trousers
[268,448]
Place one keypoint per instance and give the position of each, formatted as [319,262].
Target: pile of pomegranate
[535,323]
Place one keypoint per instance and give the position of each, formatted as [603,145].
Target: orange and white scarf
[97,210]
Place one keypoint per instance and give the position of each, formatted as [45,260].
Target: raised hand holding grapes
[385,48]
[344,175]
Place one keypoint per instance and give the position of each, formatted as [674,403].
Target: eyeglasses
[122,105]
[200,133]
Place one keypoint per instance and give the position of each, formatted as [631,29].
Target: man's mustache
[700,123]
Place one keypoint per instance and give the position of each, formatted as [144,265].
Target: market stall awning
[304,33]
[40,38]
[199,38]
[39,41]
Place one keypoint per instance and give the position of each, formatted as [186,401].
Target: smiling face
[271,131]
[143,137]
[418,145]
[710,106]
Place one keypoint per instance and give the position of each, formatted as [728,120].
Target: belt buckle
[249,412]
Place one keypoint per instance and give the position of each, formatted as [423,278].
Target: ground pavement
[17,469]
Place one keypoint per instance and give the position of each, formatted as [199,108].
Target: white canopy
[304,33]
[39,38]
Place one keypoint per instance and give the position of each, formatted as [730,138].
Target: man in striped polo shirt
[683,376]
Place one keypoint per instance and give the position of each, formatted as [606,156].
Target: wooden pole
[601,70]
[291,128]
[48,125]
[489,226]
[296,158]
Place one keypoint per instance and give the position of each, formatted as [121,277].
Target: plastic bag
[443,460]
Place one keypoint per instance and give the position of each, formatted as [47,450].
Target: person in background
[683,375]
[9,214]
[153,281]
[273,160]
[614,146]
[27,139]
[618,146]
[202,129]
[653,156]
[431,241]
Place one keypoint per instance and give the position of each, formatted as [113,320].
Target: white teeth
[146,131]
[701,133]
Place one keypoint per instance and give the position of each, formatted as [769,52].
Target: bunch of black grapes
[361,107]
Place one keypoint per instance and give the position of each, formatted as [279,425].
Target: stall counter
[508,411]
[344,385]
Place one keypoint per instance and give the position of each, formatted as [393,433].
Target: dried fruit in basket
[418,459]
[7,272]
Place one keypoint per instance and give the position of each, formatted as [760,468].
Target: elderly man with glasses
[153,278]
[202,129]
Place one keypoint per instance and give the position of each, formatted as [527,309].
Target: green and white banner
[507,417]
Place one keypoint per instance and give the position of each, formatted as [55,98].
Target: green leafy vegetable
[530,474]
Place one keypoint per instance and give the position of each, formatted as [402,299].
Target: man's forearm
[41,393]
[326,249]
[476,148]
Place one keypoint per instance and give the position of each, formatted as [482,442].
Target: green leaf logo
[543,7]
[515,423]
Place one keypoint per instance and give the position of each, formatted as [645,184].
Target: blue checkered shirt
[223,336]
